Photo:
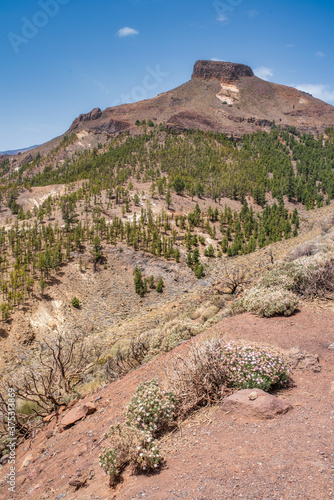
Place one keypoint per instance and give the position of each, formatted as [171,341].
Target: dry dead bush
[127,359]
[197,378]
[304,251]
[46,379]
[319,282]
[235,278]
[327,224]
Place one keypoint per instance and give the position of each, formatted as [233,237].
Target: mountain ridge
[222,97]
[11,152]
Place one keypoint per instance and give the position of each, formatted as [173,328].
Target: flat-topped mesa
[219,70]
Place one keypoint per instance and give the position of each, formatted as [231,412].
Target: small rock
[265,406]
[4,459]
[77,483]
[302,360]
[253,396]
[49,434]
[331,346]
[26,461]
[52,325]
[76,414]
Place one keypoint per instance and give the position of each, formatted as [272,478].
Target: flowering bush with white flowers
[247,367]
[130,446]
[150,409]
[148,413]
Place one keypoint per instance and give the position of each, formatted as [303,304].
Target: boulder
[209,312]
[77,413]
[263,405]
[197,313]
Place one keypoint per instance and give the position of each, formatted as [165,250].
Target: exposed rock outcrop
[92,115]
[223,71]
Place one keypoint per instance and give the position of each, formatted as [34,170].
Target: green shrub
[210,251]
[28,408]
[160,285]
[75,302]
[247,367]
[173,338]
[199,270]
[150,409]
[151,282]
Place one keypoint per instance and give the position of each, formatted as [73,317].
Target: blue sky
[60,58]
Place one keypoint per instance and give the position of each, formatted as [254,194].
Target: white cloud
[264,72]
[127,32]
[216,59]
[320,54]
[290,46]
[320,90]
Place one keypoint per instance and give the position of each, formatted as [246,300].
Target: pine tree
[139,283]
[168,198]
[160,285]
[96,251]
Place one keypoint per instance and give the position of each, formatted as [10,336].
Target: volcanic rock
[76,414]
[223,71]
[264,406]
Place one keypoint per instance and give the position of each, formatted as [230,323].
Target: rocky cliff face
[92,115]
[223,71]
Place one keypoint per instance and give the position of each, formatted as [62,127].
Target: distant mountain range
[17,151]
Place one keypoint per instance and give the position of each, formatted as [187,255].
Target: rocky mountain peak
[223,71]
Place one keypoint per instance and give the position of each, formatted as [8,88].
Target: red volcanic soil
[215,455]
